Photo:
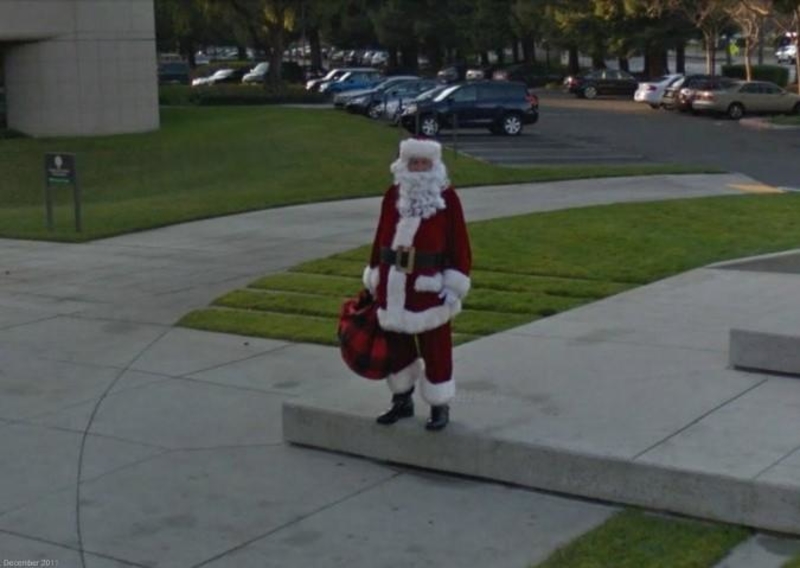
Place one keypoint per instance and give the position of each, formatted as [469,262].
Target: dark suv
[501,106]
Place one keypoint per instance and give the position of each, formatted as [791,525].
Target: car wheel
[654,106]
[511,124]
[590,92]
[735,111]
[429,126]
[374,111]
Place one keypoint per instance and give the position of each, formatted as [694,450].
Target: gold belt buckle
[408,253]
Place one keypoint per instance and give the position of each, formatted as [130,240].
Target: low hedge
[774,73]
[237,95]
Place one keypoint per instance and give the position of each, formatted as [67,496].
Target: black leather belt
[406,259]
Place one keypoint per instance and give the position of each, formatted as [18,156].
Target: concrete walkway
[128,442]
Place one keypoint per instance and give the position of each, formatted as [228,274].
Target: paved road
[613,130]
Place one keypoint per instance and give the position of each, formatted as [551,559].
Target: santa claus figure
[419,275]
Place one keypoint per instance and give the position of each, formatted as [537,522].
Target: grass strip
[793,563]
[282,302]
[634,539]
[310,284]
[207,162]
[592,253]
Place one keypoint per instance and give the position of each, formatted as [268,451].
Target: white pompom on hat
[420,148]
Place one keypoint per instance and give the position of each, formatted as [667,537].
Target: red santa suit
[419,274]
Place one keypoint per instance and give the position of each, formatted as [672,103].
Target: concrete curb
[765,124]
[459,450]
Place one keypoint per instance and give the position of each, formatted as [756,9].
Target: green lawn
[530,266]
[215,161]
[633,539]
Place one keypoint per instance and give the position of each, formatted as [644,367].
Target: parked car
[602,82]
[394,108]
[221,76]
[452,74]
[503,107]
[747,97]
[531,75]
[332,76]
[257,74]
[651,92]
[173,73]
[352,80]
[341,100]
[679,95]
[374,103]
[786,53]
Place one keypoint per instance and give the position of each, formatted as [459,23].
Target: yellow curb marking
[755,188]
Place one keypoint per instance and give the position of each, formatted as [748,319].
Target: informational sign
[59,170]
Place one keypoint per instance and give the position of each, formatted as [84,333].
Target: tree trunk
[624,64]
[748,67]
[710,37]
[515,50]
[501,55]
[528,49]
[410,58]
[316,49]
[680,58]
[573,66]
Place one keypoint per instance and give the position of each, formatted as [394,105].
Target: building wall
[80,67]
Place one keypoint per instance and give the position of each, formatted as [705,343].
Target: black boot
[402,407]
[440,416]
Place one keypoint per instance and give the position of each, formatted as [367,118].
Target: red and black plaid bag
[362,342]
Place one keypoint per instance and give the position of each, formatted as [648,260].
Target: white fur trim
[438,393]
[404,232]
[371,278]
[404,380]
[404,321]
[415,148]
[428,283]
[457,281]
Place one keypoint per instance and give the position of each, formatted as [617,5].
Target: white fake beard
[420,192]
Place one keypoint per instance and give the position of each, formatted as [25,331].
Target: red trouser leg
[436,348]
[405,366]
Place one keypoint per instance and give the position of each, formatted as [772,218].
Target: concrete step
[341,419]
[765,351]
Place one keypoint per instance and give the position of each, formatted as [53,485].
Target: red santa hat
[420,148]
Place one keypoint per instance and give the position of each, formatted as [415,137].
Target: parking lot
[617,130]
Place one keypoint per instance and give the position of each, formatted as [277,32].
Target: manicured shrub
[773,73]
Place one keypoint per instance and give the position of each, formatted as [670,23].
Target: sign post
[59,169]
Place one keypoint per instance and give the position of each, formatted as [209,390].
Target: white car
[650,92]
[786,54]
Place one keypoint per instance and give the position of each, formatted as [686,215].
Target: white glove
[450,298]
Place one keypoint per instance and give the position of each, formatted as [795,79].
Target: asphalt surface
[616,130]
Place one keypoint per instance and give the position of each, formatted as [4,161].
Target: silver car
[751,97]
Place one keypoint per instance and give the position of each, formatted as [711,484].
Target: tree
[791,9]
[268,24]
[709,16]
[749,15]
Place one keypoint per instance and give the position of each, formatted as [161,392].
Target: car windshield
[223,73]
[261,68]
[441,96]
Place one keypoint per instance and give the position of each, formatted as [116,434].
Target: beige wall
[80,67]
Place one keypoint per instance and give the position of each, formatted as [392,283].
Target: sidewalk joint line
[296,520]
[698,419]
[85,437]
[67,547]
[777,462]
